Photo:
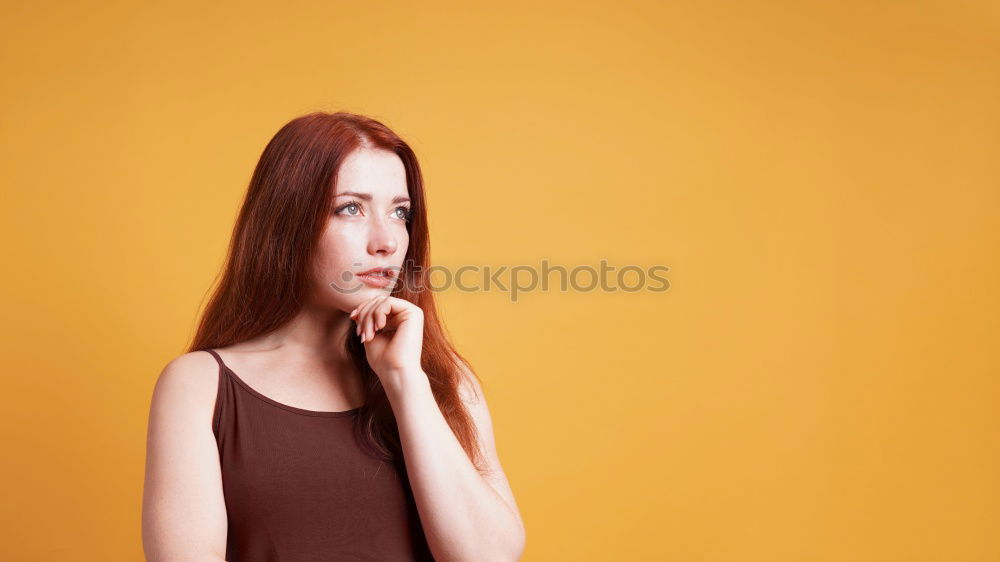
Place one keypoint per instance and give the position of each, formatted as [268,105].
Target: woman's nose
[381,240]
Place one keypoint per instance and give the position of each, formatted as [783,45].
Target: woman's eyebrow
[368,196]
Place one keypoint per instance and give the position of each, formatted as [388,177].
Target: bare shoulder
[188,383]
[184,512]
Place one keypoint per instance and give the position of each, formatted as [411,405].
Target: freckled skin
[358,238]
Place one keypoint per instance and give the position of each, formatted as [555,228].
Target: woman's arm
[465,516]
[183,507]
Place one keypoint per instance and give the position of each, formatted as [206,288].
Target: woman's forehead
[377,172]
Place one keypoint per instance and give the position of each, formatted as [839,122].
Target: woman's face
[366,229]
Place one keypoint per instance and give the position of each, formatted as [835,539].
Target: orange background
[820,383]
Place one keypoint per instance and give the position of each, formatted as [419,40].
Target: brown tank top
[298,487]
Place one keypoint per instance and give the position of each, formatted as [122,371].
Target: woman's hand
[392,330]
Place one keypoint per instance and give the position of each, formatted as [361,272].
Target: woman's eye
[353,209]
[356,208]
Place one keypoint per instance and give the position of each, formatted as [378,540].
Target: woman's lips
[375,279]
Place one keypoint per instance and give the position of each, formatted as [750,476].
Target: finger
[367,332]
[359,317]
[357,309]
[381,313]
[356,316]
[375,315]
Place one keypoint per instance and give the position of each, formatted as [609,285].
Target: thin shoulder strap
[220,397]
[216,355]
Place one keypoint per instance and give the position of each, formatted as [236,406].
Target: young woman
[318,368]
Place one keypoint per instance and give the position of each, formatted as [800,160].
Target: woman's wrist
[404,380]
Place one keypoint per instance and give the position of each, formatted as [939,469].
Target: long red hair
[268,266]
